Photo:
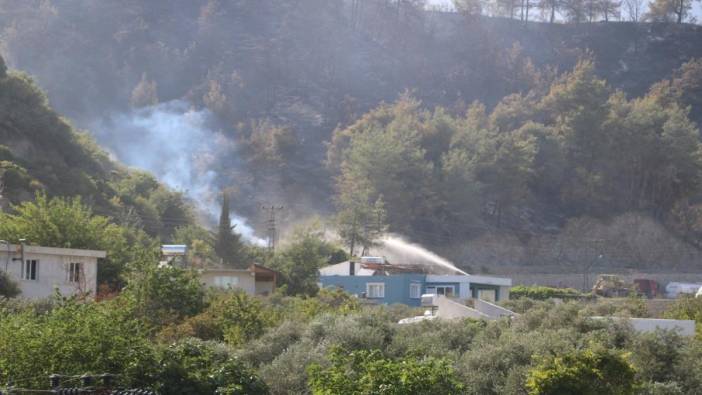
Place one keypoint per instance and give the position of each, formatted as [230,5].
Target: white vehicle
[673,290]
[699,293]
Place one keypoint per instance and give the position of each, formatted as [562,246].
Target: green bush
[687,307]
[584,372]
[369,372]
[287,373]
[8,288]
[193,366]
[543,293]
[74,338]
[655,354]
[68,223]
[165,295]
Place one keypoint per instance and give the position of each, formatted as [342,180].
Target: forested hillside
[572,136]
[40,152]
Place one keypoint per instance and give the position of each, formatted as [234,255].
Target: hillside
[277,78]
[42,152]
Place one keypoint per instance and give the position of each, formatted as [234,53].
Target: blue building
[383,283]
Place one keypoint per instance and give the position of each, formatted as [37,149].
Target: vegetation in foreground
[163,331]
[329,344]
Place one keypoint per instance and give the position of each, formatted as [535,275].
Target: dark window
[75,272]
[29,271]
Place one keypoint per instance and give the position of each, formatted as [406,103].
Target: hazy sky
[697,8]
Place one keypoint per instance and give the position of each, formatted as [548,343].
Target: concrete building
[376,280]
[39,271]
[255,280]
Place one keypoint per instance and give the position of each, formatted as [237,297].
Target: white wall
[683,327]
[448,309]
[246,279]
[52,273]
[492,310]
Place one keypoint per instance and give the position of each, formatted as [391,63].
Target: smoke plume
[180,146]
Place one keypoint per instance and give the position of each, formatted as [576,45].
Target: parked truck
[612,285]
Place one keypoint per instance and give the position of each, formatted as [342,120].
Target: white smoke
[400,251]
[178,145]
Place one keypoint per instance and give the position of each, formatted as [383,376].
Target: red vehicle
[646,287]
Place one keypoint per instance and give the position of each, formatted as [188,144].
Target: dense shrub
[287,373]
[193,366]
[655,354]
[585,372]
[369,372]
[8,288]
[687,307]
[165,295]
[69,223]
[543,293]
[73,338]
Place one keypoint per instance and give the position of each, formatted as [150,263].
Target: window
[375,290]
[446,290]
[75,272]
[226,281]
[415,290]
[29,269]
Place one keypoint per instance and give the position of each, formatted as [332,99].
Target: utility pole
[271,229]
[4,203]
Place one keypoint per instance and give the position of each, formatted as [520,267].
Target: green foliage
[584,372]
[687,307]
[241,317]
[60,161]
[200,243]
[192,366]
[368,372]
[233,317]
[74,338]
[381,156]
[543,293]
[8,288]
[228,245]
[579,147]
[68,223]
[164,295]
[301,258]
[655,354]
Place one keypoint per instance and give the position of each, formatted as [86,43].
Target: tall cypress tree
[228,246]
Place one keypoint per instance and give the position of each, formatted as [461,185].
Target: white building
[255,280]
[40,271]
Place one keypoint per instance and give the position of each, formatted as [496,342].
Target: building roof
[17,249]
[365,269]
[376,269]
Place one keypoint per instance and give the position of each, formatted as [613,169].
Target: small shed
[254,280]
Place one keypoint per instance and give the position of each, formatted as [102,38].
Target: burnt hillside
[279,77]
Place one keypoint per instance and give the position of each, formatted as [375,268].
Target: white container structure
[674,289]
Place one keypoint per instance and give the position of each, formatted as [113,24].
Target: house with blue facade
[378,281]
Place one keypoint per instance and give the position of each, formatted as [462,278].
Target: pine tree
[228,246]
